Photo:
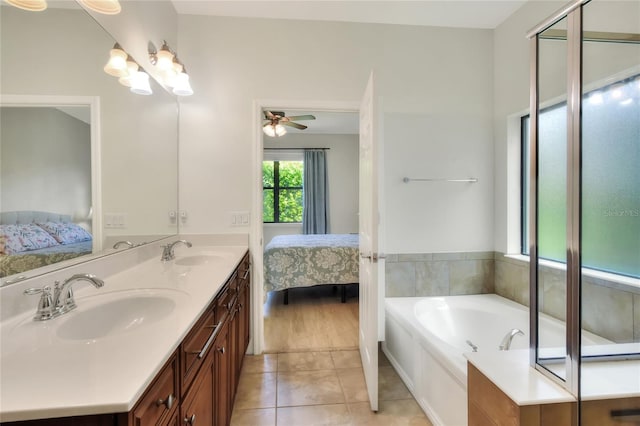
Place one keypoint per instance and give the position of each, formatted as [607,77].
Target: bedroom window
[282,191]
[610,193]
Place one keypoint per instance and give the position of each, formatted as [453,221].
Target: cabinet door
[222,379]
[197,406]
[160,398]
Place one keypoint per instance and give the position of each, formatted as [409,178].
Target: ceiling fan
[276,120]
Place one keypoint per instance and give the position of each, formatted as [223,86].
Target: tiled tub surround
[99,376]
[609,310]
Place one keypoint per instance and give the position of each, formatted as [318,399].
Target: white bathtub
[425,338]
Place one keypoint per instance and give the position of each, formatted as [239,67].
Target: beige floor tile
[346,359]
[296,361]
[405,412]
[308,388]
[254,417]
[390,386]
[353,384]
[312,415]
[256,390]
[266,363]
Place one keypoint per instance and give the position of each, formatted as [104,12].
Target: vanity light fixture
[106,7]
[182,86]
[140,83]
[274,130]
[172,71]
[117,64]
[132,68]
[30,5]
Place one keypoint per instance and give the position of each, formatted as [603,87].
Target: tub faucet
[167,251]
[506,340]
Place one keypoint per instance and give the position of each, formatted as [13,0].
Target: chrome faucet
[122,243]
[505,345]
[167,251]
[52,306]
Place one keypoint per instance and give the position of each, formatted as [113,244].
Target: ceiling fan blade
[269,115]
[301,117]
[292,124]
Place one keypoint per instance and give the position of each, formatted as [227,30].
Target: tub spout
[506,340]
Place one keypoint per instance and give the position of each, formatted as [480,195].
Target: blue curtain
[315,215]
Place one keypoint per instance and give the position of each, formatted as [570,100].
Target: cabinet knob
[221,349]
[190,420]
[167,402]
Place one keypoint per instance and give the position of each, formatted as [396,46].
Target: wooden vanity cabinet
[200,378]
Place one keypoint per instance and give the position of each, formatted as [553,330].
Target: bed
[32,239]
[292,261]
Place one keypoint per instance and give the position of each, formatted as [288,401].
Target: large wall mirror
[84,162]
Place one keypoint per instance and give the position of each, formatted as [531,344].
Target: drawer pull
[246,274]
[190,420]
[168,402]
[631,415]
[229,305]
[221,349]
[210,340]
[239,306]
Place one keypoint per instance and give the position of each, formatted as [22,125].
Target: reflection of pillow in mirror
[66,233]
[25,237]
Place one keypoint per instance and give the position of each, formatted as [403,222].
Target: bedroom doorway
[320,316]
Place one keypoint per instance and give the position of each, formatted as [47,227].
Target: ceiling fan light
[140,83]
[106,7]
[30,5]
[117,63]
[280,130]
[269,130]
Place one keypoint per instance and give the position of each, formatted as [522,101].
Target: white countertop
[43,375]
[510,371]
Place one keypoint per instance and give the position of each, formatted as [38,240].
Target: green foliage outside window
[282,191]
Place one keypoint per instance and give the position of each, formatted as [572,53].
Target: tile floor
[319,388]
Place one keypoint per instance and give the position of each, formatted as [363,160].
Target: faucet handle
[46,310]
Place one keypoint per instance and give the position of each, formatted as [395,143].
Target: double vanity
[161,342]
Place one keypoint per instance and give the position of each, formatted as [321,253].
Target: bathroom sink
[199,259]
[116,313]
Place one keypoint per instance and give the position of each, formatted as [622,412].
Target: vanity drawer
[161,399]
[196,346]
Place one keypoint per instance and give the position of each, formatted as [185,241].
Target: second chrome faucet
[167,251]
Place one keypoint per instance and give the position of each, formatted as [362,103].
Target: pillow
[65,232]
[25,237]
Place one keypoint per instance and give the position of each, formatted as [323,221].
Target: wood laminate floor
[314,320]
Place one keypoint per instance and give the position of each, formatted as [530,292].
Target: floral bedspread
[27,260]
[308,260]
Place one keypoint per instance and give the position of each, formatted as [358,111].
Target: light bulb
[280,130]
[617,91]
[30,5]
[117,64]
[269,130]
[140,83]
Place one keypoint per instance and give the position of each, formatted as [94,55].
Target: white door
[369,223]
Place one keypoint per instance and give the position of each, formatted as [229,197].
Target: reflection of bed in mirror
[292,261]
[32,239]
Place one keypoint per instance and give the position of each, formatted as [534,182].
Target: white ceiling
[441,13]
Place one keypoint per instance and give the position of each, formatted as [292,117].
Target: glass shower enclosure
[584,198]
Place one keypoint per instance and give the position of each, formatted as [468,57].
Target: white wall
[139,133]
[342,168]
[511,94]
[436,85]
